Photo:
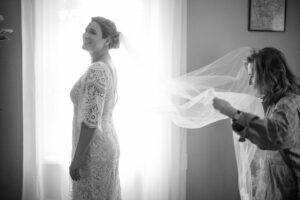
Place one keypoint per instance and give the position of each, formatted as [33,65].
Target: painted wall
[11,135]
[214,28]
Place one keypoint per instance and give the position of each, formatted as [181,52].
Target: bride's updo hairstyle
[109,30]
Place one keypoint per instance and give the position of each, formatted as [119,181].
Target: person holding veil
[95,153]
[277,134]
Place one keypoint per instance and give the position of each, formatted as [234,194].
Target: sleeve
[273,133]
[95,89]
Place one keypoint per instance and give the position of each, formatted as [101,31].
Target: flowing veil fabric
[192,108]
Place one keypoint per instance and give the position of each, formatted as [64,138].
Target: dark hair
[109,30]
[273,77]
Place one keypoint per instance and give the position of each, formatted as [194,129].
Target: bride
[94,168]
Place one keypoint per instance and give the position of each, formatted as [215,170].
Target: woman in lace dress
[94,168]
[278,134]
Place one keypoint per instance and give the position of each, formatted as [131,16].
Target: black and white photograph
[149,100]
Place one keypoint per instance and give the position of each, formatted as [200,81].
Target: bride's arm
[86,135]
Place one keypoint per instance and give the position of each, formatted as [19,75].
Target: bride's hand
[74,170]
[224,107]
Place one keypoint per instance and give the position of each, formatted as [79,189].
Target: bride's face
[92,38]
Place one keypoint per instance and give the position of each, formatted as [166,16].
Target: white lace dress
[93,97]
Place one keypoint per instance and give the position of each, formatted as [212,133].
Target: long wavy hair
[273,78]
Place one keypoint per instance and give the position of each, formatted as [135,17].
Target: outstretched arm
[273,133]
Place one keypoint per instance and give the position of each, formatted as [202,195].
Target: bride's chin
[84,47]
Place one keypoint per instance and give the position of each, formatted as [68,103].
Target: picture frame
[267,15]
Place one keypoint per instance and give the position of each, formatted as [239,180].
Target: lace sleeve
[96,84]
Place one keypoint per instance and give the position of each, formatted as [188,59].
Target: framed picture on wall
[267,15]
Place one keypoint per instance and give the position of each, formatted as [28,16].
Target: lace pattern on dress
[94,100]
[95,90]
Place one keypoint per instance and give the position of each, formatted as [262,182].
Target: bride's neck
[104,57]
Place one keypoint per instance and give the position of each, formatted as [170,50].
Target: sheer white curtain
[153,156]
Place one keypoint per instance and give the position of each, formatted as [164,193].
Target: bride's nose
[84,35]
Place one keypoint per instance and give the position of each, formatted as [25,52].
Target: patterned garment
[93,97]
[276,164]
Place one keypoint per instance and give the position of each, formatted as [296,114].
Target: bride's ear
[108,41]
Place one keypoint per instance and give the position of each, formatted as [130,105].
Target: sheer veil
[191,105]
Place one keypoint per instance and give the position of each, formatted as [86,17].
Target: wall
[11,135]
[214,27]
